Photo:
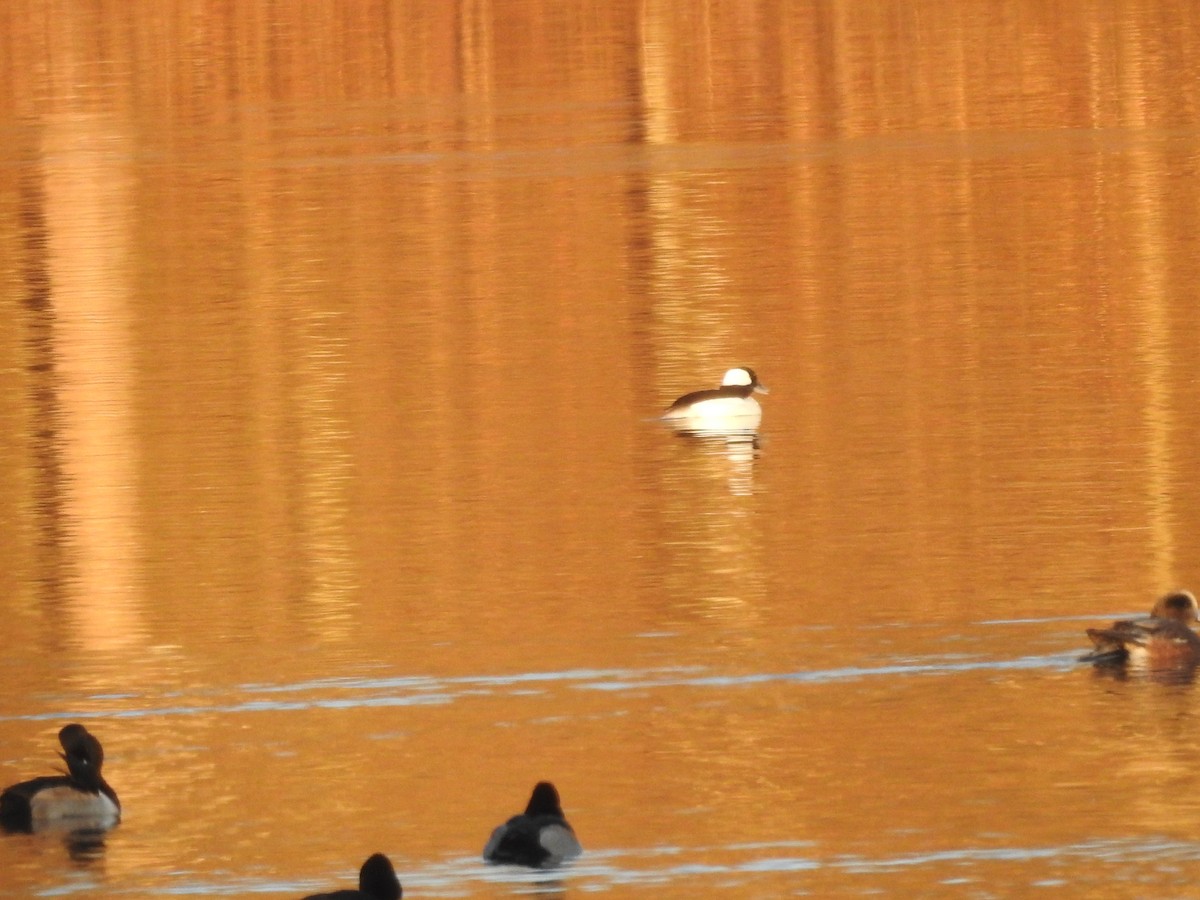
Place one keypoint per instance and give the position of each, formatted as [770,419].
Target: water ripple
[399,691]
[944,666]
[604,870]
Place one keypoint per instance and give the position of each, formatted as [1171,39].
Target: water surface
[335,503]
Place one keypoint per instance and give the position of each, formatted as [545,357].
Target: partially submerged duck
[540,837]
[376,881]
[79,799]
[730,406]
[1161,639]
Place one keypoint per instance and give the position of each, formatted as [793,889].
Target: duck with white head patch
[729,407]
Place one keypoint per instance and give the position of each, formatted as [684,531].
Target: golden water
[333,500]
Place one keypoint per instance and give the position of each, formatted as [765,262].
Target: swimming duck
[732,405]
[81,797]
[1161,639]
[376,881]
[540,837]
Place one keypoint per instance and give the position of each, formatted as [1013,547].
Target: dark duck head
[376,881]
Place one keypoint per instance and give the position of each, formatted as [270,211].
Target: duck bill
[761,389]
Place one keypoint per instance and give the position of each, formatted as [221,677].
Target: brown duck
[1161,639]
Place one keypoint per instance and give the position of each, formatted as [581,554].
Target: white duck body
[729,407]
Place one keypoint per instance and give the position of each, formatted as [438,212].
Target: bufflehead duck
[80,798]
[376,881]
[1161,639]
[540,837]
[732,405]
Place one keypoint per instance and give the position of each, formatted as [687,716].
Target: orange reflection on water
[88,182]
[343,337]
